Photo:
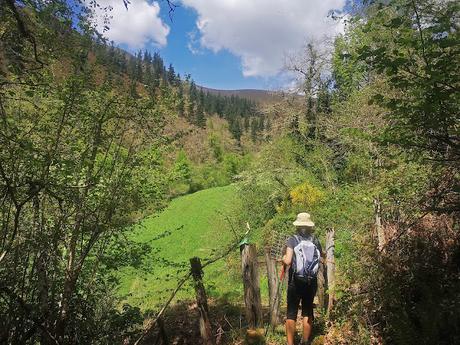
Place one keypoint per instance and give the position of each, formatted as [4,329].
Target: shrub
[306,195]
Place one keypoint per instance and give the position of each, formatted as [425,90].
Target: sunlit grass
[198,228]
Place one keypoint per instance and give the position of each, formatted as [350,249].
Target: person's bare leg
[290,331]
[307,326]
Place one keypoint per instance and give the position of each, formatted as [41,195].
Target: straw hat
[303,219]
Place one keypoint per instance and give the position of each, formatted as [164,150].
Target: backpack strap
[297,238]
[300,238]
[292,269]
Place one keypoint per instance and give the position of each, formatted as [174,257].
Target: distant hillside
[259,96]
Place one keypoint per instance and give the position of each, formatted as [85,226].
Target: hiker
[303,254]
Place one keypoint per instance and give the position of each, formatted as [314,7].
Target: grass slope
[197,224]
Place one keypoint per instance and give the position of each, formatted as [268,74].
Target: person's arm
[287,258]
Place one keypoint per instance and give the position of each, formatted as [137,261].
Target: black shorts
[300,292]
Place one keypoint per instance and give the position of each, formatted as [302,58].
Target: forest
[115,171]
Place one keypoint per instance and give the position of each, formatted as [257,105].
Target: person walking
[303,254]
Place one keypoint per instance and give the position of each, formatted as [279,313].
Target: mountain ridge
[258,95]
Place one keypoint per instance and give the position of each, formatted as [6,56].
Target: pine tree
[171,75]
[181,103]
[254,130]
[191,110]
[235,129]
[138,72]
[182,169]
[246,123]
[193,92]
[260,125]
[200,118]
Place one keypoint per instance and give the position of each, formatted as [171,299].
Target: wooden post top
[195,264]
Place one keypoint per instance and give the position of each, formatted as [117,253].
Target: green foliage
[386,69]
[266,184]
[216,148]
[415,48]
[207,176]
[79,162]
[357,166]
[349,72]
[182,173]
[151,178]
[305,196]
[233,164]
[404,54]
[235,129]
[221,174]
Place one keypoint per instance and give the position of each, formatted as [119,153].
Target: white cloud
[193,43]
[136,26]
[262,32]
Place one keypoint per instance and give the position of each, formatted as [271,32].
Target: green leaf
[396,22]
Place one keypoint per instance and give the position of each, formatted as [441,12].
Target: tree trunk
[251,285]
[330,248]
[273,289]
[68,291]
[73,269]
[202,302]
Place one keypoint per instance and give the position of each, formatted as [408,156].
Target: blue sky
[225,44]
[221,70]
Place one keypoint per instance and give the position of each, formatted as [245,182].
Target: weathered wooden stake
[202,302]
[251,285]
[161,333]
[322,286]
[330,248]
[273,291]
[378,224]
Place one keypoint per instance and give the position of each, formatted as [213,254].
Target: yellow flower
[306,195]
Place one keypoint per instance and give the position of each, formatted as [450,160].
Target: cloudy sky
[224,44]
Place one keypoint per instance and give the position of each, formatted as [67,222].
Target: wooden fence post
[251,285]
[378,224]
[273,291]
[202,302]
[330,248]
[161,333]
[322,286]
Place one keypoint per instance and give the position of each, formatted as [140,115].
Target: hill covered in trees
[194,103]
[260,96]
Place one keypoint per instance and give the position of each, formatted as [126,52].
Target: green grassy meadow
[198,227]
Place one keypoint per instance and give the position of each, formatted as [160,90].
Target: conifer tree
[235,129]
[246,123]
[260,125]
[200,118]
[171,75]
[181,103]
[254,130]
[138,73]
